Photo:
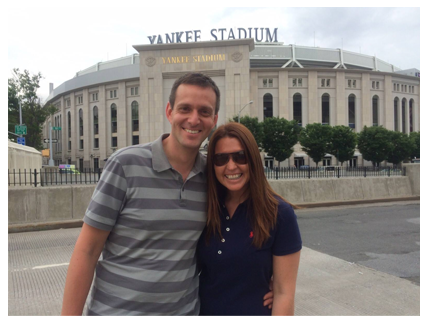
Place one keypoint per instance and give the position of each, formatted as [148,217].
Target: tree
[13,108]
[415,138]
[401,146]
[254,126]
[315,139]
[280,136]
[343,143]
[23,87]
[374,143]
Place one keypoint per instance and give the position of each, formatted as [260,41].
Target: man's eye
[206,113]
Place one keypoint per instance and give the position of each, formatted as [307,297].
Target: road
[385,236]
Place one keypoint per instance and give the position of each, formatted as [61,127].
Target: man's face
[193,115]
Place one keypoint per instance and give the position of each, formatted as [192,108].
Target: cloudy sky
[58,41]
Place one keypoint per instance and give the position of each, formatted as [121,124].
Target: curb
[17,228]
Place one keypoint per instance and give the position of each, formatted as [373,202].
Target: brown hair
[263,203]
[198,79]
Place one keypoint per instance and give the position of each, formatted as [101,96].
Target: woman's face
[234,174]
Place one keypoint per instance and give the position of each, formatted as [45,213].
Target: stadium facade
[122,102]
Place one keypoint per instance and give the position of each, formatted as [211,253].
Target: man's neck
[181,159]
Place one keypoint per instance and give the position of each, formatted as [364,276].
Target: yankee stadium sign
[259,35]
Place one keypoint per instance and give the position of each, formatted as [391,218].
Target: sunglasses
[238,157]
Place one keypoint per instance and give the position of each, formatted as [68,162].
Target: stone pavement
[326,285]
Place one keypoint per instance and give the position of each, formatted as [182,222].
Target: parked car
[68,171]
[303,167]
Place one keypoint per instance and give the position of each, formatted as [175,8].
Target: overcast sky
[60,41]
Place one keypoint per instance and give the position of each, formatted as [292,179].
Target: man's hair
[197,79]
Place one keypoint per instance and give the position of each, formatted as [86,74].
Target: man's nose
[194,118]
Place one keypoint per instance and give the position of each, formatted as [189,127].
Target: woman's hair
[262,199]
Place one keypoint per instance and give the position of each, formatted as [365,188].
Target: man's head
[192,110]
[197,79]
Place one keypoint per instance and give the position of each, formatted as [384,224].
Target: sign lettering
[194,59]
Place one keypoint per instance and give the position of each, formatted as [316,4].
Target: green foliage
[374,143]
[315,139]
[400,147]
[343,143]
[254,126]
[23,87]
[415,138]
[280,136]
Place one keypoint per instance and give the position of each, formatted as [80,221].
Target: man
[146,215]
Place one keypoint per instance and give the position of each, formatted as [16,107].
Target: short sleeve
[108,198]
[287,239]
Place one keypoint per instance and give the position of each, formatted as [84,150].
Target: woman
[251,233]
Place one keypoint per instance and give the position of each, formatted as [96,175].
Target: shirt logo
[251,234]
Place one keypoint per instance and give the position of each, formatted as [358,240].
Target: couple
[153,202]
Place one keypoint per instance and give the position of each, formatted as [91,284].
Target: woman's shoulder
[285,210]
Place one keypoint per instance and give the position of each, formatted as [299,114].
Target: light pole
[239,113]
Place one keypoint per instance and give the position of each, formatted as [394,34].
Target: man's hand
[268,298]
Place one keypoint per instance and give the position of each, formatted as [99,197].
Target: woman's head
[234,162]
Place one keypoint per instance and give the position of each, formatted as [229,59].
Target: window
[96,143]
[349,83]
[68,102]
[403,116]
[81,164]
[264,82]
[114,141]
[134,90]
[323,83]
[297,108]
[94,96]
[134,112]
[294,82]
[373,84]
[95,120]
[81,122]
[402,88]
[395,88]
[79,99]
[96,164]
[113,118]
[396,115]
[267,106]
[270,82]
[113,94]
[375,110]
[351,111]
[69,124]
[405,88]
[135,140]
[81,144]
[411,115]
[377,85]
[325,107]
[300,82]
[69,145]
[354,83]
[328,82]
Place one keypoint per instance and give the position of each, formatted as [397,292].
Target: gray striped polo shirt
[148,264]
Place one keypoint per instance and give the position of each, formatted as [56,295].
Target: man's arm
[284,283]
[81,269]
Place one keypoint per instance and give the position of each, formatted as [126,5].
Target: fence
[332,171]
[50,177]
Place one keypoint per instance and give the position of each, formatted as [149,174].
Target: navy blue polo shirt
[235,275]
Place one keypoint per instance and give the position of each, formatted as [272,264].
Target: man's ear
[215,120]
[168,111]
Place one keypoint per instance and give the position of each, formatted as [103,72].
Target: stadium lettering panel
[194,59]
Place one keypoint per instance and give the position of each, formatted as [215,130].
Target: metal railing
[332,172]
[50,177]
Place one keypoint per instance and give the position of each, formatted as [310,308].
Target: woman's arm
[284,283]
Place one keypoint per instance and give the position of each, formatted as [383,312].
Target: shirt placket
[226,221]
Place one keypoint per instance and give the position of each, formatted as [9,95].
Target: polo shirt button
[222,240]
[219,252]
[227,229]
[227,218]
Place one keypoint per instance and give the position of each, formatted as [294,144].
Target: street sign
[46,141]
[56,128]
[21,140]
[20,129]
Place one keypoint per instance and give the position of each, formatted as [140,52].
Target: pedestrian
[251,233]
[145,217]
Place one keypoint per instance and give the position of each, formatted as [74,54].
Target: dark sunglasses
[238,157]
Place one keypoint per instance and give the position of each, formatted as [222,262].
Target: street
[384,237]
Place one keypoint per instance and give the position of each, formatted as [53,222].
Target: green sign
[20,129]
[56,128]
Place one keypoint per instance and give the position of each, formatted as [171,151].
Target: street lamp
[239,113]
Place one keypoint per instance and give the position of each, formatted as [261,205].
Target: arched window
[96,120]
[403,115]
[297,108]
[411,114]
[134,108]
[325,109]
[351,111]
[396,113]
[375,109]
[267,106]
[80,122]
[113,118]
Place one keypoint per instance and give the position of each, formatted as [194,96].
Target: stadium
[121,102]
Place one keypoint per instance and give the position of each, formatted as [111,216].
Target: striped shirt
[148,264]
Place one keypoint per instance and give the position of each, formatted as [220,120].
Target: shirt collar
[161,162]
